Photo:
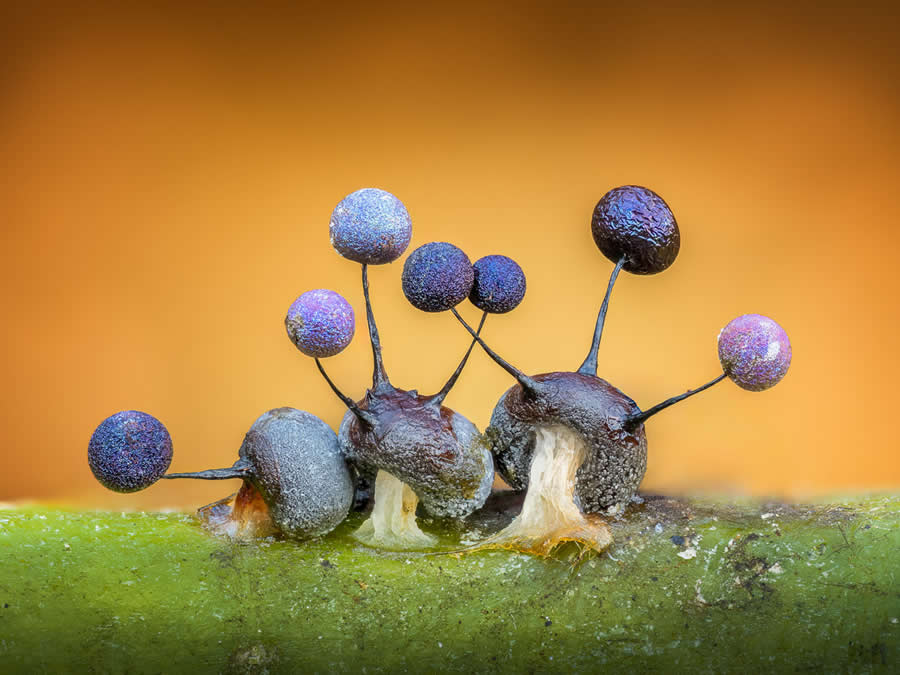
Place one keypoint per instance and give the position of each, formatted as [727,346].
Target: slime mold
[129,451]
[296,480]
[419,450]
[499,284]
[575,442]
[320,323]
[755,352]
[572,441]
[437,276]
[370,226]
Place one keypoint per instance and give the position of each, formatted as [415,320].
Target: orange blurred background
[170,174]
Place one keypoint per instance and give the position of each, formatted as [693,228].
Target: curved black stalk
[379,376]
[633,420]
[365,417]
[528,384]
[589,367]
[439,397]
[240,469]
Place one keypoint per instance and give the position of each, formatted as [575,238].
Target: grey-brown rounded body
[300,471]
[616,458]
[437,452]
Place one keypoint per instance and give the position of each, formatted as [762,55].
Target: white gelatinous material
[549,514]
[392,524]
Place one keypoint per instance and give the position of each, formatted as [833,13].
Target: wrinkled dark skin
[616,459]
[431,448]
[635,222]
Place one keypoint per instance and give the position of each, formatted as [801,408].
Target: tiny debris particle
[326,564]
[687,553]
[677,539]
[776,569]
[66,547]
[766,516]
[548,622]
[658,528]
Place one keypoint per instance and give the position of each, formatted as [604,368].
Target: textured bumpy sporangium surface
[370,226]
[300,470]
[635,221]
[499,284]
[754,351]
[320,323]
[616,459]
[434,450]
[129,451]
[437,276]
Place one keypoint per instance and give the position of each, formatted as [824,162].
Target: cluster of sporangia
[573,441]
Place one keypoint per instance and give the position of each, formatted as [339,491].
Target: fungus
[754,351]
[419,450]
[320,323]
[295,479]
[437,276]
[370,226]
[129,451]
[575,442]
[499,284]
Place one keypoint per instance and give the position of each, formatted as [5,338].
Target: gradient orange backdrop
[169,176]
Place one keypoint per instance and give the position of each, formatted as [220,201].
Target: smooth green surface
[752,588]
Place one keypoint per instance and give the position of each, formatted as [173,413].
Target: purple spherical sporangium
[635,222]
[370,226]
[755,352]
[499,284]
[320,323]
[129,451]
[437,276]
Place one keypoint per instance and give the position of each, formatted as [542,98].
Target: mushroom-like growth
[129,451]
[370,226]
[419,450]
[576,443]
[296,480]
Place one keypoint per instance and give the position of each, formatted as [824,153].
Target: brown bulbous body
[436,451]
[616,458]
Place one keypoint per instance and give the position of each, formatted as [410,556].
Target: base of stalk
[392,524]
[592,535]
[549,515]
[243,515]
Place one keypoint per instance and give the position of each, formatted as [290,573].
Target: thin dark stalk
[530,385]
[589,367]
[439,397]
[639,418]
[241,469]
[362,415]
[379,376]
